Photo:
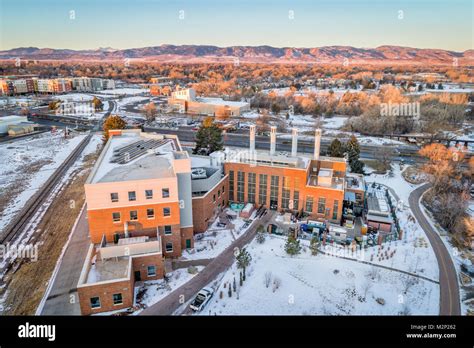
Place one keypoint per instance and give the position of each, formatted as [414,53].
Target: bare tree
[268,279]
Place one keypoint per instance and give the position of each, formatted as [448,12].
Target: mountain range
[252,54]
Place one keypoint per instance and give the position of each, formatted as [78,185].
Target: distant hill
[255,54]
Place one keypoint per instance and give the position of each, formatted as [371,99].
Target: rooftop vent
[198,173]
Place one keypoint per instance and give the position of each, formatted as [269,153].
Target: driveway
[221,263]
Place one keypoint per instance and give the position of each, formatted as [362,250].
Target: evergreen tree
[336,149]
[292,245]
[241,280]
[353,153]
[230,291]
[243,259]
[260,234]
[313,246]
[208,137]
[112,122]
[234,285]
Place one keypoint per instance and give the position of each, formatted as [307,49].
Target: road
[408,153]
[58,300]
[221,263]
[448,282]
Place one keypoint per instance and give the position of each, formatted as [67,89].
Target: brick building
[288,182]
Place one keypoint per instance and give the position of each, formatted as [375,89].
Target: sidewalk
[63,290]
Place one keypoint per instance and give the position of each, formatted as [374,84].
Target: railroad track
[34,203]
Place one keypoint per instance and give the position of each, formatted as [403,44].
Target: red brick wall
[204,207]
[331,195]
[101,222]
[105,293]
[141,264]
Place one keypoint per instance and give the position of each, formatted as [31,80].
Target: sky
[90,24]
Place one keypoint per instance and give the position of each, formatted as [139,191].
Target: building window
[150,213]
[252,180]
[223,189]
[116,217]
[166,211]
[149,194]
[114,197]
[309,204]
[132,196]
[296,199]
[218,193]
[168,230]
[321,205]
[165,193]
[214,198]
[117,299]
[133,215]
[240,186]
[285,193]
[169,247]
[231,185]
[262,189]
[95,302]
[151,271]
[274,185]
[334,210]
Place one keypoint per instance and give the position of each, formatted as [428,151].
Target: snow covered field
[126,91]
[413,253]
[319,285]
[25,165]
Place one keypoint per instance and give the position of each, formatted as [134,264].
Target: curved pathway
[448,282]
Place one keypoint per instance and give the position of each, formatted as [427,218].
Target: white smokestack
[294,142]
[273,131]
[317,143]
[252,138]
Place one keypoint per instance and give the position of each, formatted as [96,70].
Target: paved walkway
[449,288]
[64,285]
[221,263]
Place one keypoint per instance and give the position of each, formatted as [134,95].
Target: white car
[202,298]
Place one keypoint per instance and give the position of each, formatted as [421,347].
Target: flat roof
[263,158]
[119,162]
[220,101]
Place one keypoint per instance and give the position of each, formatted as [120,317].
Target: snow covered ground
[126,91]
[26,165]
[154,290]
[319,285]
[215,240]
[413,253]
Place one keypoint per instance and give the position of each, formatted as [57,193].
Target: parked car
[201,299]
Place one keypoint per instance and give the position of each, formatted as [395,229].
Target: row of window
[274,188]
[132,195]
[218,194]
[133,214]
[117,298]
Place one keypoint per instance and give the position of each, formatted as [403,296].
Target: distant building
[7,121]
[185,101]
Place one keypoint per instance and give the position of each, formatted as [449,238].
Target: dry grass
[28,281]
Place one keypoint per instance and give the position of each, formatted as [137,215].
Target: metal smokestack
[317,143]
[294,142]
[252,138]
[273,130]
